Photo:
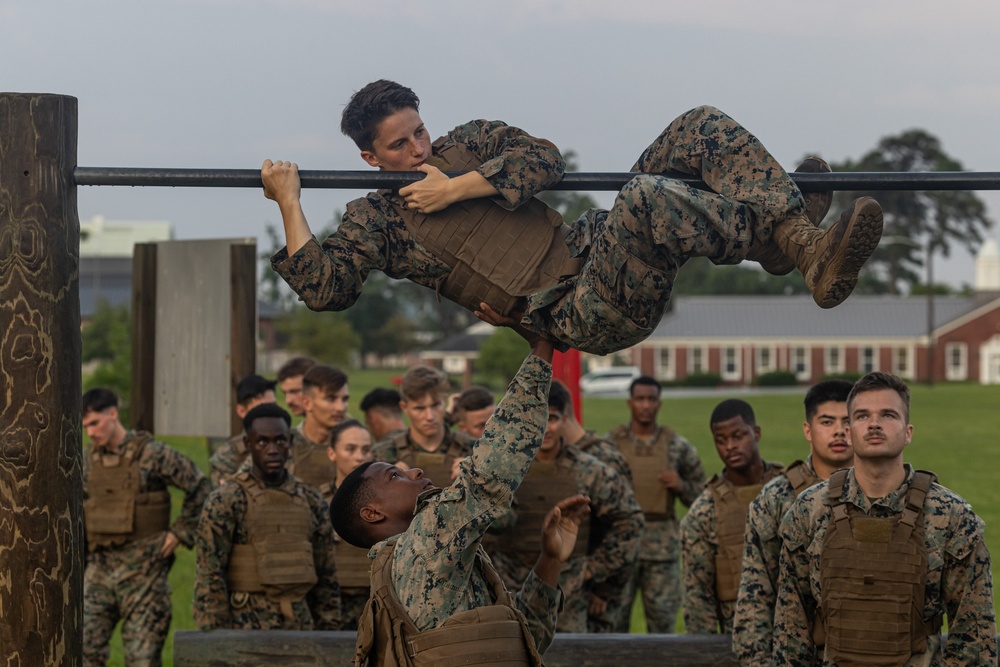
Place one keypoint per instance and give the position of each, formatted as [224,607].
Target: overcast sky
[227,83]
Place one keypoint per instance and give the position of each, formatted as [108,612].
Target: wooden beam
[41,490]
[257,648]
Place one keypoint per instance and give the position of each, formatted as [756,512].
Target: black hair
[386,400]
[824,392]
[251,387]
[559,398]
[265,410]
[295,367]
[98,399]
[345,508]
[646,381]
[339,429]
[730,408]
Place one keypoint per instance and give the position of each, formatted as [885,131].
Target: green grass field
[952,436]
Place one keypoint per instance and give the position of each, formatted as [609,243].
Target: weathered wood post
[41,517]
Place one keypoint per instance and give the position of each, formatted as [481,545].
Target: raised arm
[281,185]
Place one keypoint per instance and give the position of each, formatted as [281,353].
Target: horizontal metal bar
[581,181]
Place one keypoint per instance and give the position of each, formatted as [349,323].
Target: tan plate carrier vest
[311,464]
[436,465]
[872,577]
[647,461]
[496,635]
[545,484]
[495,255]
[731,506]
[278,560]
[116,510]
[800,477]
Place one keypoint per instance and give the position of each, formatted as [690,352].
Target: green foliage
[501,355]
[850,377]
[325,336]
[106,351]
[777,379]
[916,221]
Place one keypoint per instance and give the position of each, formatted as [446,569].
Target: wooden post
[41,524]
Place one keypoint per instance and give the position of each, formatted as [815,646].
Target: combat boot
[770,257]
[830,259]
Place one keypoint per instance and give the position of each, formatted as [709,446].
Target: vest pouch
[654,498]
[482,636]
[866,632]
[152,513]
[285,565]
[436,466]
[727,574]
[353,566]
[113,514]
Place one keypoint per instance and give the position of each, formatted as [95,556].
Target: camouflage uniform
[616,530]
[222,525]
[630,254]
[454,444]
[753,621]
[435,573]
[958,583]
[129,582]
[320,467]
[658,572]
[227,458]
[704,613]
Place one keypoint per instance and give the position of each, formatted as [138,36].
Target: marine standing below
[712,530]
[230,455]
[826,428]
[875,558]
[325,395]
[130,540]
[665,468]
[265,545]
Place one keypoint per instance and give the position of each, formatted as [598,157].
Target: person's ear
[371,514]
[370,158]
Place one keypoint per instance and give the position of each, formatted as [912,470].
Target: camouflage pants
[128,583]
[658,223]
[660,584]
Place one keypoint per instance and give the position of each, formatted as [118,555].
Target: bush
[850,377]
[696,380]
[776,379]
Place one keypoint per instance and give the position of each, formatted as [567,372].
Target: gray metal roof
[799,317]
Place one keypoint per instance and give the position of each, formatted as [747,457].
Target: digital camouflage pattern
[616,530]
[658,570]
[387,449]
[605,451]
[753,622]
[704,613]
[227,459]
[222,525]
[959,583]
[635,249]
[129,582]
[434,571]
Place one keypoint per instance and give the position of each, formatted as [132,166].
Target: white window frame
[772,364]
[667,371]
[861,359]
[737,371]
[961,371]
[806,373]
[828,365]
[704,364]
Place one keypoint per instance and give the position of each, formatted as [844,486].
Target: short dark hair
[824,392]
[646,381]
[382,399]
[263,411]
[251,387]
[730,408]
[339,429]
[328,379]
[98,399]
[295,367]
[560,398]
[474,398]
[879,380]
[370,106]
[345,507]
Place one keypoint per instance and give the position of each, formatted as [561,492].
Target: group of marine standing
[848,557]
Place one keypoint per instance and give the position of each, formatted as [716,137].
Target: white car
[614,380]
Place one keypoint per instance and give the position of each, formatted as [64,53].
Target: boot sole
[864,230]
